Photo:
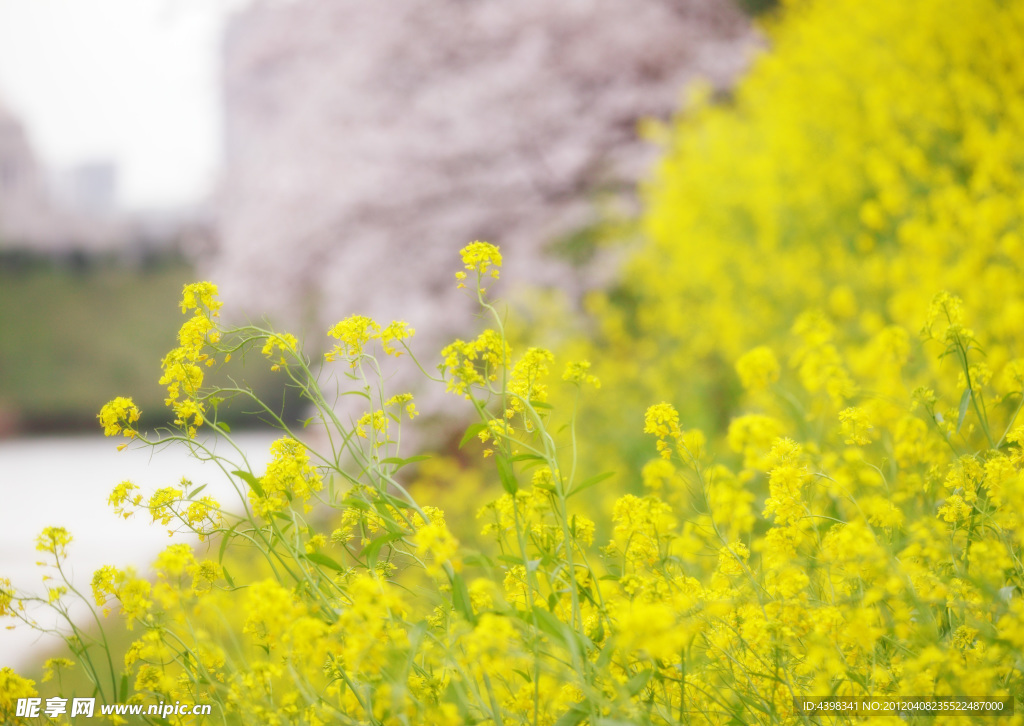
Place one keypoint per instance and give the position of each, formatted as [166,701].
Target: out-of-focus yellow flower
[758,368]
[578,372]
[54,540]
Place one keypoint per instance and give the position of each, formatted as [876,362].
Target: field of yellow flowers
[808,381]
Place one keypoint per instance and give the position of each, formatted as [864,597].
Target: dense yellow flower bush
[820,350]
[871,159]
[833,256]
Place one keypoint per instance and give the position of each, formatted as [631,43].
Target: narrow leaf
[472,431]
[637,682]
[964,400]
[460,599]
[592,481]
[224,427]
[416,635]
[605,656]
[478,560]
[400,462]
[507,476]
[372,550]
[324,560]
[252,481]
[228,536]
[574,715]
[549,624]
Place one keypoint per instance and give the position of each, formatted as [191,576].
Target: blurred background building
[89,188]
[34,218]
[71,214]
[22,197]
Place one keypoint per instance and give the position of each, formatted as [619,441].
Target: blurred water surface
[65,481]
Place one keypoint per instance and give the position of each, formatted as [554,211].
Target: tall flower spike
[479,257]
[200,295]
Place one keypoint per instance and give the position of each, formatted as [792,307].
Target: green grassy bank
[73,338]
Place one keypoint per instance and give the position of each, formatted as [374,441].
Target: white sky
[134,81]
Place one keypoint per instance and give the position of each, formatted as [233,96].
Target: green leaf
[592,481]
[307,422]
[400,462]
[416,635]
[227,577]
[527,457]
[532,464]
[460,599]
[507,475]
[637,682]
[548,623]
[964,400]
[541,404]
[124,687]
[478,560]
[472,431]
[394,502]
[605,656]
[224,540]
[252,481]
[193,493]
[574,715]
[324,560]
[224,427]
[372,550]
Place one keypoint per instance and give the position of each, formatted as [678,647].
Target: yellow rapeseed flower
[480,257]
[119,415]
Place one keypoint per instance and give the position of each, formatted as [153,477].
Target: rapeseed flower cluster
[183,366]
[475,362]
[289,476]
[357,331]
[119,415]
[481,258]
